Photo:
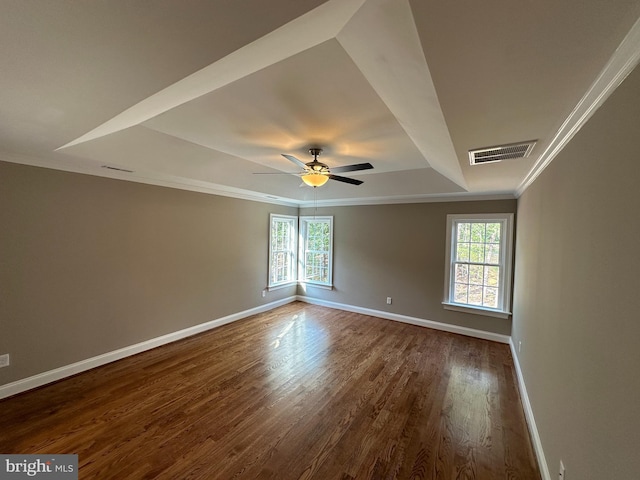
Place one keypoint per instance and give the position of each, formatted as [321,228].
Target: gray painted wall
[398,251]
[577,296]
[89,265]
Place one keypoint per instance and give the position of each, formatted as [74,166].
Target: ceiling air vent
[502,152]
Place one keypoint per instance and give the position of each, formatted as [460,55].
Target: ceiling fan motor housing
[315,166]
[316,173]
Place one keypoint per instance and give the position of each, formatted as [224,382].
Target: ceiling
[206,95]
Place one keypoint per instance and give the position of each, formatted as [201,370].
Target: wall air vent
[499,153]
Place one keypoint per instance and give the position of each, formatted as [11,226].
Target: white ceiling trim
[433,198]
[148,178]
[191,185]
[382,39]
[302,33]
[624,60]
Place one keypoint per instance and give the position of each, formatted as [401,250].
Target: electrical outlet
[264,293]
[561,472]
[4,360]
[388,300]
[519,345]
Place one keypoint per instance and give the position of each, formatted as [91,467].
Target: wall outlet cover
[4,360]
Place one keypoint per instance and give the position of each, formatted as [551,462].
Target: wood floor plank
[300,392]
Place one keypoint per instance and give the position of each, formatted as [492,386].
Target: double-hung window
[478,263]
[282,249]
[316,250]
[300,249]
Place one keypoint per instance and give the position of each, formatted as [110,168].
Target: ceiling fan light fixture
[315,179]
[315,173]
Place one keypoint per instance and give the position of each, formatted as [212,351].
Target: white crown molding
[429,198]
[137,177]
[528,412]
[621,64]
[50,376]
[225,191]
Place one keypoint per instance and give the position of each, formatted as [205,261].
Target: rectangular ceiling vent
[502,152]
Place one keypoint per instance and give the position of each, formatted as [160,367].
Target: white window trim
[506,252]
[276,285]
[301,254]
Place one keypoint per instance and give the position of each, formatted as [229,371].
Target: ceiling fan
[316,174]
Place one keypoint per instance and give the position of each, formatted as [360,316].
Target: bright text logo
[50,467]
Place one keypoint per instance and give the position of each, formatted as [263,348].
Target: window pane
[475,294]
[493,233]
[476,274]
[491,276]
[464,230]
[460,293]
[490,297]
[476,253]
[316,263]
[492,253]
[477,232]
[462,252]
[462,273]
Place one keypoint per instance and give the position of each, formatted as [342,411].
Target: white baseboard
[44,378]
[50,376]
[528,412]
[469,332]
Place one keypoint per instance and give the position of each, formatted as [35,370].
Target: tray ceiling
[204,95]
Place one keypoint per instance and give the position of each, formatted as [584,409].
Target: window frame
[291,250]
[304,222]
[505,264]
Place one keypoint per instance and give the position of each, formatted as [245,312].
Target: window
[316,250]
[282,249]
[314,259]
[478,273]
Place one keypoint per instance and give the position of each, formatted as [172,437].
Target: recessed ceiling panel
[315,98]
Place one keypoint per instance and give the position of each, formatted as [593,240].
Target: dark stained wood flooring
[300,392]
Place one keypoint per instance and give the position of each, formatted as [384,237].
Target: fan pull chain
[315,202]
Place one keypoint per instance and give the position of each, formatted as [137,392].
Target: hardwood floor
[300,392]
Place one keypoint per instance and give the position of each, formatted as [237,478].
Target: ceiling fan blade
[276,173]
[352,168]
[293,159]
[352,181]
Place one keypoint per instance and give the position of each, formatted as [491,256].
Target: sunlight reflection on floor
[468,403]
[298,341]
[276,342]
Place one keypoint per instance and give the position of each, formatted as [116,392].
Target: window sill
[315,285]
[271,288]
[489,312]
